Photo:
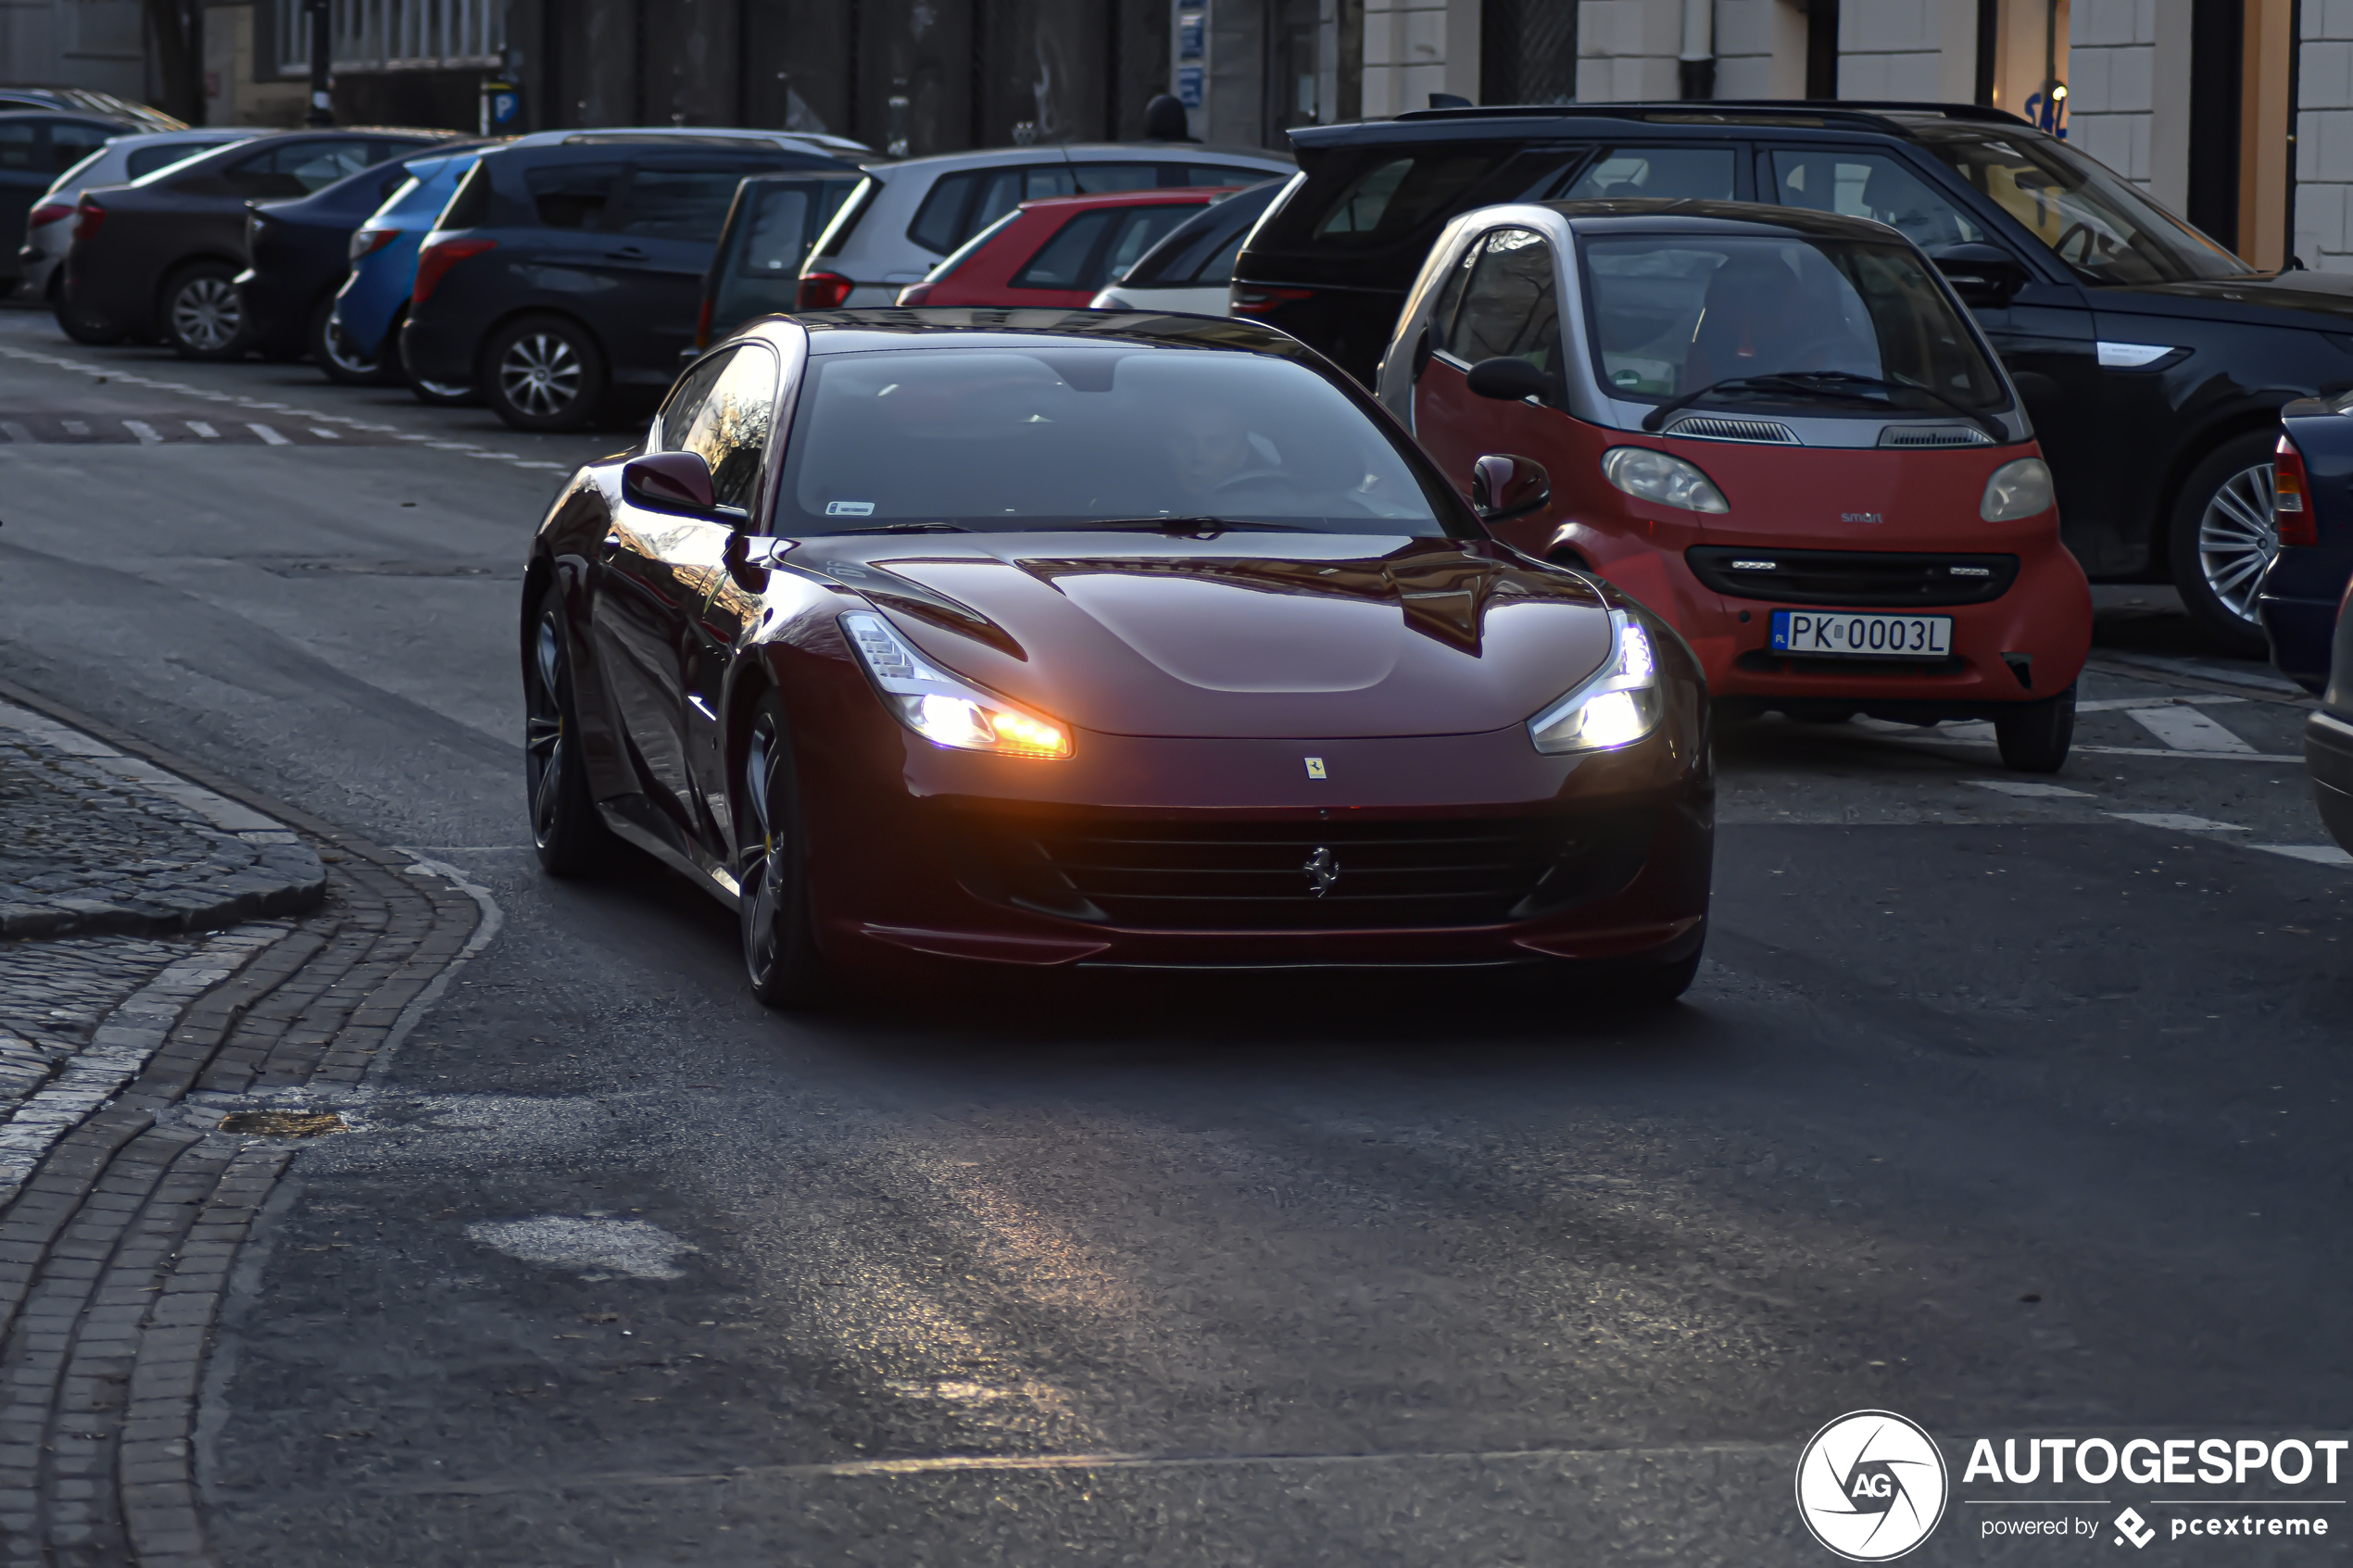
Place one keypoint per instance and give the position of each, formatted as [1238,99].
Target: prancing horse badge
[1314,767]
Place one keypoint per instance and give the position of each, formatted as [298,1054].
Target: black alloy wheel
[2034,736]
[544,374]
[2221,538]
[780,950]
[339,358]
[203,318]
[570,838]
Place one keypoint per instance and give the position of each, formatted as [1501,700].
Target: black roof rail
[1812,108]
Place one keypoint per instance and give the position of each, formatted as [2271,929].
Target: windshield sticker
[849,508]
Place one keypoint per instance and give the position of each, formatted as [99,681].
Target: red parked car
[1776,428]
[1060,251]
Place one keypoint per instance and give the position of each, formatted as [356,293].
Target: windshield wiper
[908,528]
[1196,527]
[1837,385]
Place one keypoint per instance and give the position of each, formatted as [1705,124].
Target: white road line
[326,435]
[2030,791]
[203,431]
[269,437]
[2177,821]
[16,432]
[2114,704]
[144,430]
[2189,756]
[2318,854]
[75,427]
[2186,729]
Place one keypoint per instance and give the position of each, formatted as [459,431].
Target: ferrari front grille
[1884,579]
[1162,873]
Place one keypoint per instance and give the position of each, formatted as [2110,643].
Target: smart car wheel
[338,358]
[544,374]
[2034,736]
[202,319]
[565,830]
[780,953]
[2223,538]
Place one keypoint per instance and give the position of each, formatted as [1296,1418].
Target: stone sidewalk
[191,979]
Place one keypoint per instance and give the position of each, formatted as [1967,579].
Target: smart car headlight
[1661,477]
[2017,490]
[942,709]
[1618,704]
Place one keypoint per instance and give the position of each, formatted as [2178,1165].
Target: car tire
[781,957]
[544,374]
[202,319]
[567,836]
[338,360]
[2034,736]
[2220,538]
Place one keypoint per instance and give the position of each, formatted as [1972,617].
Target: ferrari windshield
[2094,221]
[1067,435]
[1814,319]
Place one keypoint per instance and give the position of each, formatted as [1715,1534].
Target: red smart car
[1780,430]
[1059,251]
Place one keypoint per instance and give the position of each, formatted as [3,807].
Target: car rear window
[1390,197]
[1095,247]
[142,162]
[781,222]
[296,169]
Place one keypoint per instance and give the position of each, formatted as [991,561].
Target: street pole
[323,55]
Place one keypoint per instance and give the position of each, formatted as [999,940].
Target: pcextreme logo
[1871,1486]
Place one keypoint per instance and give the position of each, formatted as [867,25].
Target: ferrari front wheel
[565,830]
[780,950]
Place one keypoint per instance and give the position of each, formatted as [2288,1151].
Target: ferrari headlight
[2017,490]
[1618,704]
[1661,477]
[940,707]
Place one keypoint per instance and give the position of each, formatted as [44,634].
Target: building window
[397,34]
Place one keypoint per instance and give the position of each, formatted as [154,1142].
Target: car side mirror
[669,481]
[1985,276]
[1503,487]
[1508,379]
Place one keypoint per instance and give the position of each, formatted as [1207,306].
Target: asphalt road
[2018,1110]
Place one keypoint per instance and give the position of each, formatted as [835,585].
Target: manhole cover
[282,1124]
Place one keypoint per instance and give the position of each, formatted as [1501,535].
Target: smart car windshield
[1069,435]
[1852,325]
[2094,221]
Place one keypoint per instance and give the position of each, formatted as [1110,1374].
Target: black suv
[559,272]
[2153,361]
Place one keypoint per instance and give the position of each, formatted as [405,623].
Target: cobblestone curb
[93,840]
[118,1244]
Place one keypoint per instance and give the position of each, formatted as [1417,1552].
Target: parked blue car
[2312,496]
[383,264]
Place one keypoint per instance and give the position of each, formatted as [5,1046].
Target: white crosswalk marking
[204,432]
[2177,821]
[2318,854]
[2027,790]
[75,427]
[144,432]
[269,437]
[2186,729]
[325,434]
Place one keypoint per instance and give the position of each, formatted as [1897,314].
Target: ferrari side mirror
[1985,276]
[1503,487]
[1507,378]
[669,481]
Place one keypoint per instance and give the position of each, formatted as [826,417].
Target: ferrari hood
[1240,635]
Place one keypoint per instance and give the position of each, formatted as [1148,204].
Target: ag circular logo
[1871,1486]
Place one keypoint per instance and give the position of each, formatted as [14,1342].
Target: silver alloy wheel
[339,348]
[2237,538]
[205,313]
[540,374]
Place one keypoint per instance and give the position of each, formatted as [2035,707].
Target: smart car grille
[1885,579]
[1204,874]
[1711,428]
[1933,436]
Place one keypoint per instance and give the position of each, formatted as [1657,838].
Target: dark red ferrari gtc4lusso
[1060,638]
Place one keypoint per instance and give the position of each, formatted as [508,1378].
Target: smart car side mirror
[668,482]
[1985,276]
[1507,378]
[1503,487]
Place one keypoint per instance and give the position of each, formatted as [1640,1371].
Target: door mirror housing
[1508,379]
[669,481]
[1983,275]
[1503,487]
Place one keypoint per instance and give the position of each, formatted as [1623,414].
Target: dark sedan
[160,258]
[562,271]
[1045,639]
[297,253]
[2312,491]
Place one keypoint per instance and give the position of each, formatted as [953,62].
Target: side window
[1449,296]
[470,203]
[21,147]
[1140,229]
[146,160]
[676,204]
[68,144]
[730,425]
[565,195]
[1870,185]
[1511,304]
[1060,262]
[296,171]
[1092,178]
[777,232]
[686,401]
[960,206]
[1683,173]
[1221,174]
[939,221]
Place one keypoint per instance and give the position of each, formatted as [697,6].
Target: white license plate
[1862,637]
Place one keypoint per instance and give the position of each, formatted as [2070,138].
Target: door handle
[626,253]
